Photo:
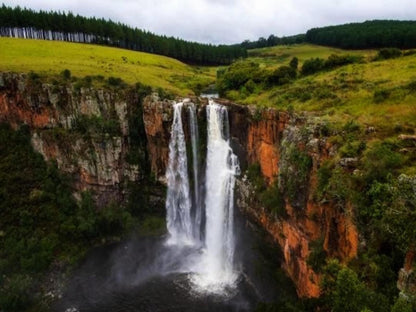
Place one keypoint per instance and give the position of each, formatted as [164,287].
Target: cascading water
[213,268]
[178,203]
[193,125]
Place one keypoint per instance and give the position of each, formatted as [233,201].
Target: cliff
[86,131]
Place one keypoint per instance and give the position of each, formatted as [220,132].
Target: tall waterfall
[178,203]
[222,166]
[193,126]
[213,270]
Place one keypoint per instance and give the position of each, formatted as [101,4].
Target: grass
[52,57]
[347,92]
[282,54]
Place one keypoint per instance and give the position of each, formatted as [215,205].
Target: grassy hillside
[52,57]
[281,54]
[380,93]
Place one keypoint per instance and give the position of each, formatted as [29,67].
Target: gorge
[146,136]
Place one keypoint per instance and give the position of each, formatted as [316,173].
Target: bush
[294,175]
[312,66]
[15,293]
[66,74]
[381,95]
[335,60]
[402,305]
[317,255]
[237,75]
[272,199]
[115,82]
[388,53]
[294,62]
[282,75]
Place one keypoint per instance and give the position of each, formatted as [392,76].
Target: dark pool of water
[143,274]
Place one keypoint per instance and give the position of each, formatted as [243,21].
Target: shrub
[294,175]
[282,75]
[237,75]
[402,305]
[273,200]
[381,95]
[115,82]
[312,66]
[388,53]
[66,74]
[15,293]
[294,62]
[335,60]
[317,255]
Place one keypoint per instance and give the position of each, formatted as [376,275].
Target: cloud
[230,21]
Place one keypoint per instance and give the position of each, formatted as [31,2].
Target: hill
[50,58]
[362,87]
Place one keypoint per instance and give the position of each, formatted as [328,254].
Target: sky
[229,21]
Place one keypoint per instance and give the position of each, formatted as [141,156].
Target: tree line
[367,35]
[273,40]
[26,23]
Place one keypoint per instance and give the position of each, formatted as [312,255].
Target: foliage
[273,40]
[41,221]
[107,32]
[294,63]
[294,175]
[335,60]
[344,292]
[282,75]
[400,216]
[273,200]
[388,53]
[366,35]
[97,125]
[312,66]
[317,255]
[66,74]
[381,95]
[238,74]
[402,305]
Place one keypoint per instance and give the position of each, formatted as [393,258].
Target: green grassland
[49,58]
[374,93]
[282,54]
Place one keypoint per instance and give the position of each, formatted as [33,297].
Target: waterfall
[213,270]
[193,126]
[216,267]
[178,203]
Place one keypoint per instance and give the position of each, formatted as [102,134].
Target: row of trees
[273,40]
[367,35]
[26,23]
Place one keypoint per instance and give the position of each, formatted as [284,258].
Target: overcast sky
[230,21]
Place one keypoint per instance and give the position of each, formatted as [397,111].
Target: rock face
[67,125]
[268,141]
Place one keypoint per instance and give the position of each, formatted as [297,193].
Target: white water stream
[213,269]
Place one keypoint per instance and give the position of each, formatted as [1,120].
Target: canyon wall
[85,130]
